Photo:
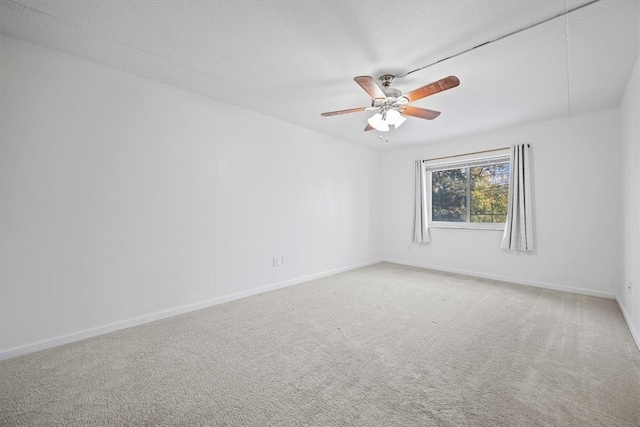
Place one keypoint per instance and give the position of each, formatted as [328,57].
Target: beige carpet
[384,345]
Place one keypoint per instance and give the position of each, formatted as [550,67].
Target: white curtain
[421,219]
[518,230]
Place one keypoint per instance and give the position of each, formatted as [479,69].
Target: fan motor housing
[391,92]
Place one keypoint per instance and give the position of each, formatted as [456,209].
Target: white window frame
[443,164]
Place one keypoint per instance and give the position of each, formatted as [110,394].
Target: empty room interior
[320,213]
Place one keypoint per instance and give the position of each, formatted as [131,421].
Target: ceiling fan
[391,104]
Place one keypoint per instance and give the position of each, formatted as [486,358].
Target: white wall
[122,199]
[575,197]
[629,299]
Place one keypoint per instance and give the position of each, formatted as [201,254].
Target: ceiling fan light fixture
[394,118]
[392,105]
[378,123]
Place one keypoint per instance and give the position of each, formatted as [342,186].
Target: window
[469,194]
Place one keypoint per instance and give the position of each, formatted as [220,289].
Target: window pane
[449,195]
[489,193]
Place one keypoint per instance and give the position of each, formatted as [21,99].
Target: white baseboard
[634,333]
[92,332]
[508,279]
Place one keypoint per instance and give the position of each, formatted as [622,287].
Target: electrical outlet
[409,247]
[285,259]
[276,261]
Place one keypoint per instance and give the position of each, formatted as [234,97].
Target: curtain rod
[467,154]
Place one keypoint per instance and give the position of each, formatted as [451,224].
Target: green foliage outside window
[485,188]
[449,195]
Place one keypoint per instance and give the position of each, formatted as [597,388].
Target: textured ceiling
[293,60]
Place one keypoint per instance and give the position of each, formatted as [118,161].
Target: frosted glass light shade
[394,118]
[377,123]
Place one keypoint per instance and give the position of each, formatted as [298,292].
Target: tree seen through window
[476,194]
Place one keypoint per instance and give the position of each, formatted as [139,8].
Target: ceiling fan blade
[351,110]
[432,88]
[368,128]
[370,86]
[422,113]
